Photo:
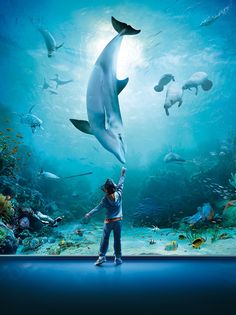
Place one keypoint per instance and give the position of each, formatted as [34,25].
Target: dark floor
[148,286]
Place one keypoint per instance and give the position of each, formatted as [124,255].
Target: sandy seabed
[135,241]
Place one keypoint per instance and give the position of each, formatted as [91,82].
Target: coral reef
[6,209]
[8,242]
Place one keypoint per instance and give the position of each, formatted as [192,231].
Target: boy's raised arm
[95,210]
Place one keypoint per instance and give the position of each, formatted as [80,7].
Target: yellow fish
[198,242]
[171,246]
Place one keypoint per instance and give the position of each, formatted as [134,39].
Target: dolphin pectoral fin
[121,84]
[82,125]
[59,46]
[123,28]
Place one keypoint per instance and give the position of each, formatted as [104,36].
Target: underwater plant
[2,235]
[6,209]
[193,234]
[215,233]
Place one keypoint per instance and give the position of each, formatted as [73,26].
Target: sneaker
[118,261]
[100,260]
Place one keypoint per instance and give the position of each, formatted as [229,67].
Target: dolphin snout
[121,155]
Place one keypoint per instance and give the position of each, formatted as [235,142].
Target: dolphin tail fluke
[59,46]
[123,28]
[82,125]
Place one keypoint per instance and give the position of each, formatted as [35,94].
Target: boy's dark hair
[109,186]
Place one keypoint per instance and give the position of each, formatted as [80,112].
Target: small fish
[9,129]
[171,246]
[152,242]
[182,237]
[154,228]
[79,232]
[29,154]
[14,151]
[62,243]
[225,236]
[198,242]
[18,135]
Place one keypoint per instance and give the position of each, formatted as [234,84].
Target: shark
[50,41]
[104,116]
[59,81]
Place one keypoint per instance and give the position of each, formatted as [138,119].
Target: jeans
[108,227]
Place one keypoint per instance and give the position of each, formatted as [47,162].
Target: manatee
[104,116]
[198,79]
[49,41]
[174,94]
[31,120]
[164,80]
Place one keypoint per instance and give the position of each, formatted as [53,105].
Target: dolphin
[49,41]
[103,110]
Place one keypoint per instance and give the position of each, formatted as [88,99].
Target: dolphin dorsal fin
[121,84]
[82,125]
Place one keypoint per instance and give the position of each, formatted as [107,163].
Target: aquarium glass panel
[117,119]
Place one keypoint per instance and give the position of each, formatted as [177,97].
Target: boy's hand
[123,171]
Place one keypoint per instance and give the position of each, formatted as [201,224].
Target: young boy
[112,202]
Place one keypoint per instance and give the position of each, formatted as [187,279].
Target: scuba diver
[112,202]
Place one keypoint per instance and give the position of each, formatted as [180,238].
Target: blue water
[171,41]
